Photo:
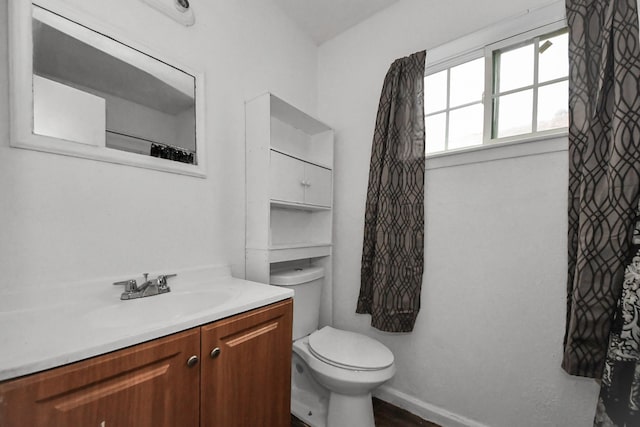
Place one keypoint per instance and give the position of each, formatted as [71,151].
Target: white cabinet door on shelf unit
[317,185]
[293,180]
[287,178]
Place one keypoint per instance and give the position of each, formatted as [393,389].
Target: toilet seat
[349,350]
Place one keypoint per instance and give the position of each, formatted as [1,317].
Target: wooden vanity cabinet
[246,369]
[152,384]
[146,385]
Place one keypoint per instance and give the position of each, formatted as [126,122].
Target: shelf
[300,120]
[289,179]
[298,135]
[299,206]
[299,246]
[281,253]
[301,158]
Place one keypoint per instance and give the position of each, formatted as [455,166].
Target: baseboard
[424,410]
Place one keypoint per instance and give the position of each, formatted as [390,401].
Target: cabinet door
[318,185]
[286,178]
[145,385]
[247,381]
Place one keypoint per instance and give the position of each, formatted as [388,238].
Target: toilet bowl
[349,386]
[333,371]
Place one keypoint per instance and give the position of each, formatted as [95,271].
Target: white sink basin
[158,308]
[192,302]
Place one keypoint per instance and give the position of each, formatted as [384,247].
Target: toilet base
[308,408]
[352,411]
[309,400]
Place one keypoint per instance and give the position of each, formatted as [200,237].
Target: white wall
[66,219]
[486,348]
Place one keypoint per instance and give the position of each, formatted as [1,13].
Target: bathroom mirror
[80,89]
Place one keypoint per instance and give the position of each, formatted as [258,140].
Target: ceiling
[325,19]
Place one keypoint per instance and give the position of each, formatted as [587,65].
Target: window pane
[515,113]
[435,132]
[516,68]
[553,106]
[465,127]
[435,92]
[467,83]
[553,61]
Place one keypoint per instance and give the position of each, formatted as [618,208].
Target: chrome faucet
[147,288]
[146,283]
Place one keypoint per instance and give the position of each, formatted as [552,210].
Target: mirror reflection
[90,89]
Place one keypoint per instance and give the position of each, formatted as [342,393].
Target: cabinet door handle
[215,352]
[192,361]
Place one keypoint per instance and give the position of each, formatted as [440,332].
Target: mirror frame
[21,94]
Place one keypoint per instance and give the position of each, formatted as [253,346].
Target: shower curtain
[393,247]
[619,400]
[604,171]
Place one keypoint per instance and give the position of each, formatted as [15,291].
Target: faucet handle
[162,279]
[129,285]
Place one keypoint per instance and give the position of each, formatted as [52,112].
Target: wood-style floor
[386,415]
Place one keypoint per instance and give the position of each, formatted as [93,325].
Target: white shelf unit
[289,189]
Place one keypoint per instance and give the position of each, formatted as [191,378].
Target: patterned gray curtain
[393,248]
[619,401]
[604,171]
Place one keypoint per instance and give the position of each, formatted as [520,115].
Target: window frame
[490,73]
[519,30]
[447,66]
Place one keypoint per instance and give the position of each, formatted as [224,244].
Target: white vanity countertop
[45,327]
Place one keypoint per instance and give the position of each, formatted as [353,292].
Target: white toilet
[345,367]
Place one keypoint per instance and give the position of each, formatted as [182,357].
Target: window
[453,106]
[530,87]
[526,79]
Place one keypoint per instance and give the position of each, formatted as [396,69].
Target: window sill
[523,147]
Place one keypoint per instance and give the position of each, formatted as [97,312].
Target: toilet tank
[307,286]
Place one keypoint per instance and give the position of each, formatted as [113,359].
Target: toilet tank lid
[296,276]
